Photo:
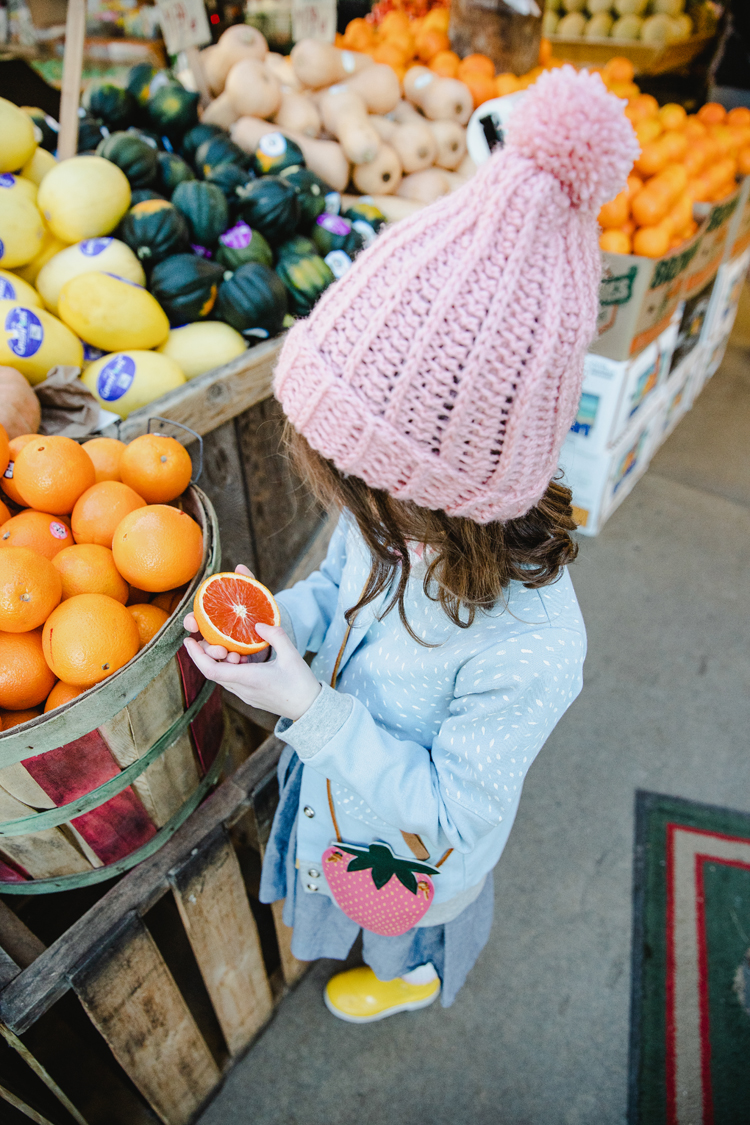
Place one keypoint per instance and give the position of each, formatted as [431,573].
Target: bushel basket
[99,784]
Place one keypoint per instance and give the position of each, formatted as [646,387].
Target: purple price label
[201,251]
[334,224]
[7,292]
[7,180]
[93,246]
[237,237]
[25,332]
[115,378]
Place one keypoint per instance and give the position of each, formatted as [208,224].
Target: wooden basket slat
[131,997]
[39,853]
[17,781]
[212,901]
[170,780]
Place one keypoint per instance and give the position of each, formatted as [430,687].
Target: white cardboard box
[725,299]
[601,479]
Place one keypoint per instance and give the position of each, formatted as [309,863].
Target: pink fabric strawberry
[376,889]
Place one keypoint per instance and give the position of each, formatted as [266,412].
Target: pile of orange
[685,159]
[87,535]
[402,40]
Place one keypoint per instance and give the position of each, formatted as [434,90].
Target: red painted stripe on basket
[207,726]
[114,829]
[12,872]
[669,1062]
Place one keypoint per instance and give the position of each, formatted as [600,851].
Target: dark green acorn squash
[46,125]
[216,150]
[305,277]
[139,81]
[195,137]
[332,232]
[147,136]
[366,219]
[154,230]
[205,209]
[274,153]
[172,170]
[113,105]
[133,155]
[253,300]
[186,287]
[240,245]
[90,132]
[229,177]
[172,110]
[143,194]
[270,205]
[312,193]
[297,247]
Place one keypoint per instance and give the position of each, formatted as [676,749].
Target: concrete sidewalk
[539,1034]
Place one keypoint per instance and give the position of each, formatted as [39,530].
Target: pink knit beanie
[445,367]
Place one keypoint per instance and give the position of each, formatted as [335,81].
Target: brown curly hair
[470,564]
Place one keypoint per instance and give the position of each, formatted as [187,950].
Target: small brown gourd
[20,412]
[381,175]
[252,89]
[297,112]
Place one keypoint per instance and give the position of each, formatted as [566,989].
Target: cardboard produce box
[718,220]
[638,297]
[738,238]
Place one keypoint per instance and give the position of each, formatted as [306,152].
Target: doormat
[690,1007]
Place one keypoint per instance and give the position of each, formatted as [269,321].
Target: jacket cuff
[321,721]
[285,620]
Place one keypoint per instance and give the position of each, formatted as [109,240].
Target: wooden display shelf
[647,58]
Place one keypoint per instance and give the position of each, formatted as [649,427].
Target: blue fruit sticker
[7,292]
[116,378]
[25,332]
[90,353]
[7,180]
[93,246]
[2,248]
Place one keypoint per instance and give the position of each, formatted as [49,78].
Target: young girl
[427,397]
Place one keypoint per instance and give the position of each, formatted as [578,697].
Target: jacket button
[308,811]
[314,873]
[312,886]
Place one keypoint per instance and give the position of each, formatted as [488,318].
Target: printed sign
[314,19]
[184,24]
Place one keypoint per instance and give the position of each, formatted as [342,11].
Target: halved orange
[228,606]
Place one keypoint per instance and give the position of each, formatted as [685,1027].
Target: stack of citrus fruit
[685,159]
[400,39]
[87,536]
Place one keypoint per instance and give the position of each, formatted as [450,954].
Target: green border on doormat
[690,1003]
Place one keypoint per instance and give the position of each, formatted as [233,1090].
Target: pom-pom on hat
[445,367]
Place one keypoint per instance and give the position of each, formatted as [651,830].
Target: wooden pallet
[111,961]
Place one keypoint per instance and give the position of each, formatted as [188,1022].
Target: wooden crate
[114,960]
[647,58]
[265,514]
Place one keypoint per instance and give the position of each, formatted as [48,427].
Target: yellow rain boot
[357,995]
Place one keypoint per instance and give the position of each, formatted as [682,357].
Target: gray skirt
[321,929]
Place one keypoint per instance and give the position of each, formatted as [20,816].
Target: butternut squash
[318,64]
[297,112]
[344,115]
[384,126]
[403,112]
[325,158]
[381,175]
[450,142]
[253,90]
[238,42]
[377,86]
[467,167]
[395,208]
[440,99]
[424,187]
[415,146]
[220,111]
[282,69]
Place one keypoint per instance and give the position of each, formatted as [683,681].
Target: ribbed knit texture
[446,366]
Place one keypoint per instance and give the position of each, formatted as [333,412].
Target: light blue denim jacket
[435,741]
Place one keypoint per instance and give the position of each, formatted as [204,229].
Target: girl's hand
[284,685]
